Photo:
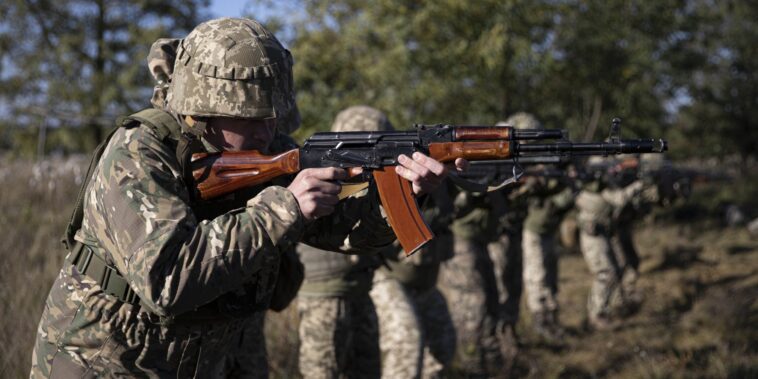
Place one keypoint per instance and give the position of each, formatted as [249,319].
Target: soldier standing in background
[469,285]
[417,336]
[159,285]
[339,334]
[596,204]
[527,219]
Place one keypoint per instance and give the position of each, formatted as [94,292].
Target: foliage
[80,62]
[672,68]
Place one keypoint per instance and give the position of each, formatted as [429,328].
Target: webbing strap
[92,265]
[161,122]
[78,214]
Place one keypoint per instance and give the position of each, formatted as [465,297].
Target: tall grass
[35,205]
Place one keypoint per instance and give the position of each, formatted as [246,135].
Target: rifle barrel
[606,148]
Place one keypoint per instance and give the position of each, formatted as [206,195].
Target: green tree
[714,60]
[79,63]
[441,61]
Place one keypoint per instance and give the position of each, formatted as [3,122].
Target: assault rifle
[372,156]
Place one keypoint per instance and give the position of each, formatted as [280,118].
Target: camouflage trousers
[468,281]
[605,270]
[248,358]
[507,263]
[417,337]
[540,272]
[628,260]
[339,337]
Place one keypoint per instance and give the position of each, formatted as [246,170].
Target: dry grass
[700,281]
[36,203]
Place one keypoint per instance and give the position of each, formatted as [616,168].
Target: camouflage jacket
[190,273]
[547,206]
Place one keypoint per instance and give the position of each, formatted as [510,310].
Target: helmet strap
[194,126]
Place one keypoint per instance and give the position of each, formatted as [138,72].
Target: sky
[228,8]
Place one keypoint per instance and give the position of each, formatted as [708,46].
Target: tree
[80,63]
[714,61]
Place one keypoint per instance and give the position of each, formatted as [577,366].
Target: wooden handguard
[474,150]
[402,210]
[220,174]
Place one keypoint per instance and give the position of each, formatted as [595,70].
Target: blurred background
[684,70]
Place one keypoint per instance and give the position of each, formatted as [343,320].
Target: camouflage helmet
[361,118]
[523,120]
[160,62]
[233,67]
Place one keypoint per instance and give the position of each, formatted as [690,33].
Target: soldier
[159,285]
[339,334]
[417,336]
[468,282]
[596,204]
[548,200]
[527,220]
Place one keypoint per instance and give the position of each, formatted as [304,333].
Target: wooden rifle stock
[219,174]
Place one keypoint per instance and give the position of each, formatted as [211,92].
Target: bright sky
[228,8]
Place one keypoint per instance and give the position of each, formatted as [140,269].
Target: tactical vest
[86,261]
[255,296]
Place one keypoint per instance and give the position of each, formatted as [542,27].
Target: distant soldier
[596,204]
[417,336]
[339,334]
[627,213]
[469,285]
[528,223]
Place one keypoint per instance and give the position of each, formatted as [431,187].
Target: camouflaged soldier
[159,285]
[596,204]
[548,199]
[624,217]
[468,283]
[339,334]
[417,336]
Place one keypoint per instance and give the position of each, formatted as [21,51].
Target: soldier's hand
[425,173]
[317,190]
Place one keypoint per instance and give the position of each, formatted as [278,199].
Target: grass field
[699,278]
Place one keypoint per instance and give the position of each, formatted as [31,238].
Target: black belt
[90,264]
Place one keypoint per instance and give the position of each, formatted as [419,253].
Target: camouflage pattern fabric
[417,336]
[540,272]
[249,358]
[468,281]
[338,337]
[505,254]
[160,62]
[232,67]
[507,214]
[539,247]
[361,118]
[596,229]
[198,278]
